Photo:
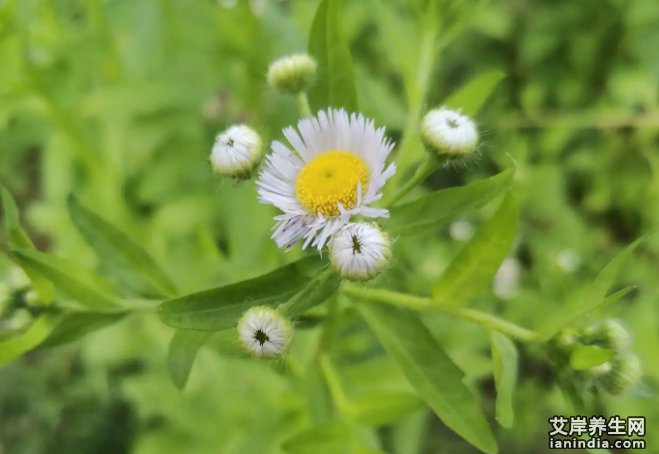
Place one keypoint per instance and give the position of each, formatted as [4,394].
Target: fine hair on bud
[360,251]
[264,332]
[447,133]
[236,151]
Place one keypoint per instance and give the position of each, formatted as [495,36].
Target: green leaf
[376,408]
[220,308]
[19,239]
[316,292]
[473,269]
[335,82]
[73,281]
[16,236]
[434,209]
[472,96]
[331,438]
[183,350]
[75,325]
[430,370]
[16,346]
[504,363]
[594,296]
[587,356]
[120,255]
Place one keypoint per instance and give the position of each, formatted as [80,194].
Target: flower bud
[293,74]
[449,134]
[264,332]
[626,371]
[360,251]
[609,334]
[236,151]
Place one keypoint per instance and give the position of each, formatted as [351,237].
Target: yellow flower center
[329,179]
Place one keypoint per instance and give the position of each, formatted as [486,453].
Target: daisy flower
[335,171]
[264,332]
[359,251]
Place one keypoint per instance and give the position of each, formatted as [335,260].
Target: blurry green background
[118,102]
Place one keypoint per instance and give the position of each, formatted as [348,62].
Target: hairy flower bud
[264,332]
[360,251]
[293,74]
[626,371]
[448,133]
[609,334]
[236,151]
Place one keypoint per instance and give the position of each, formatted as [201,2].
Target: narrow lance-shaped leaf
[220,308]
[433,210]
[335,82]
[120,255]
[16,346]
[594,296]
[75,325]
[75,282]
[430,370]
[316,292]
[19,239]
[471,97]
[183,350]
[379,407]
[478,261]
[504,365]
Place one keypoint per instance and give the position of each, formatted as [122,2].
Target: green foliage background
[117,102]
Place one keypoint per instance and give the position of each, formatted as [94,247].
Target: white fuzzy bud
[292,74]
[264,332]
[448,133]
[236,151]
[360,251]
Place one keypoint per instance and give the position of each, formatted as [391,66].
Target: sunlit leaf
[73,281]
[122,257]
[430,370]
[183,350]
[471,97]
[594,296]
[331,438]
[18,239]
[587,356]
[473,269]
[75,325]
[335,82]
[433,210]
[375,408]
[220,308]
[504,364]
[24,342]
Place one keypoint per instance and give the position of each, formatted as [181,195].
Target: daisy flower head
[335,170]
[360,251]
[264,332]
[236,151]
[448,133]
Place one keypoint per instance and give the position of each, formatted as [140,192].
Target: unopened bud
[293,74]
[448,133]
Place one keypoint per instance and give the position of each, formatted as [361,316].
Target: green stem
[303,104]
[333,383]
[427,167]
[419,303]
